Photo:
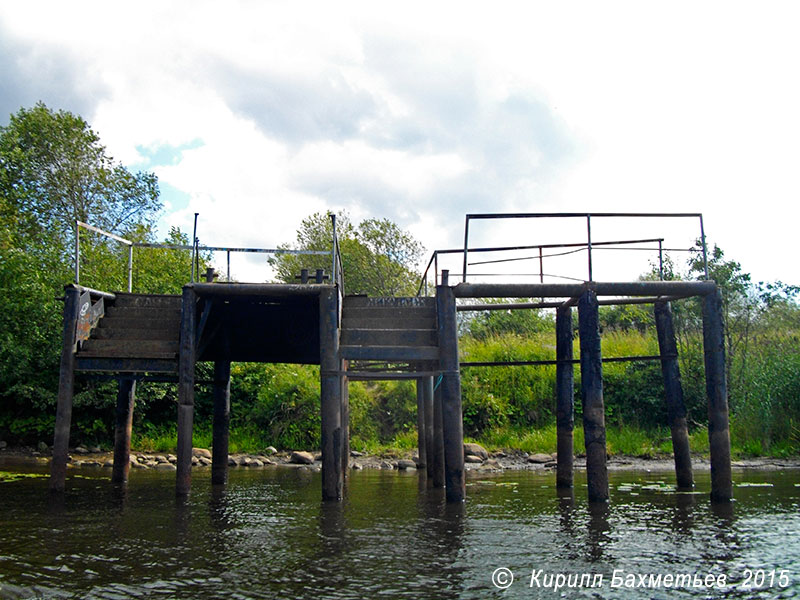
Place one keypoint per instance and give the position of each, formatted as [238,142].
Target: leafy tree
[378,258]
[54,170]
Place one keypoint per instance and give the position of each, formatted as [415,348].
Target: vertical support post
[594,425]
[222,419]
[186,360]
[438,438]
[422,449]
[330,394]
[452,419]
[345,422]
[673,392]
[229,265]
[717,392]
[66,382]
[427,392]
[565,390]
[126,397]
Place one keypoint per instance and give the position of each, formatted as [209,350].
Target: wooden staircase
[138,334]
[390,334]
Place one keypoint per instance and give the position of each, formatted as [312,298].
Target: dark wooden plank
[129,348]
[388,321]
[147,301]
[135,333]
[125,365]
[403,312]
[143,313]
[390,302]
[388,337]
[173,324]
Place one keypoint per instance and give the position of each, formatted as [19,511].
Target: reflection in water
[598,534]
[267,535]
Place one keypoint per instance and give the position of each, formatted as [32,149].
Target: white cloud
[425,113]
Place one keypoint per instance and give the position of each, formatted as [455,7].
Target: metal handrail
[196,248]
[588,217]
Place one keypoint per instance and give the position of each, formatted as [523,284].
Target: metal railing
[337,275]
[588,246]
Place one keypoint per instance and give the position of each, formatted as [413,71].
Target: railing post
[66,382]
[130,268]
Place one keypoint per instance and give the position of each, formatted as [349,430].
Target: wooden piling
[345,423]
[673,392]
[594,426]
[427,392]
[422,451]
[66,382]
[123,426]
[222,417]
[438,438]
[330,395]
[452,419]
[717,392]
[565,391]
[186,363]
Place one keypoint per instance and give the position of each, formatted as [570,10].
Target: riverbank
[477,460]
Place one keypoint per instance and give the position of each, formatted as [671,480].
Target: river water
[268,535]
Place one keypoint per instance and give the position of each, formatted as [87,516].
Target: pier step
[139,333]
[389,329]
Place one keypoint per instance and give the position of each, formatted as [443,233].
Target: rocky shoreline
[477,459]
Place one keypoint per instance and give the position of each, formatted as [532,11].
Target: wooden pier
[134,337]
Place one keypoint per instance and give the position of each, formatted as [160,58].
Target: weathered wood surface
[594,426]
[123,428]
[186,390]
[66,383]
[673,394]
[565,410]
[717,392]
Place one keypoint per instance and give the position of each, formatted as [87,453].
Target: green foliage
[490,323]
[378,258]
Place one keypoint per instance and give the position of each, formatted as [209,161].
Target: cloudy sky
[257,114]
